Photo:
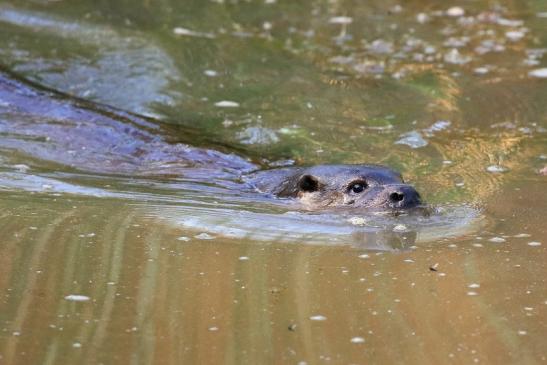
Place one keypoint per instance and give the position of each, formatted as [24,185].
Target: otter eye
[308,183]
[358,187]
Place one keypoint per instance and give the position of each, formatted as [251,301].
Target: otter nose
[404,196]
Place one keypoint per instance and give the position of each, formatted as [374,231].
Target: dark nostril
[396,196]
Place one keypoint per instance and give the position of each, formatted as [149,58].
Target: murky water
[102,268]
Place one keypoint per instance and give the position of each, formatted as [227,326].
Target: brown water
[101,269]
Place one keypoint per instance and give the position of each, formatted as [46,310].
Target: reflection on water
[109,58]
[367,231]
[96,268]
[157,297]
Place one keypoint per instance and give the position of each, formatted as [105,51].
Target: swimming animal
[48,125]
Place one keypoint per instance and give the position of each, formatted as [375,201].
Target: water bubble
[21,167]
[77,298]
[496,168]
[357,221]
[456,42]
[422,18]
[497,239]
[204,236]
[400,228]
[210,73]
[439,126]
[509,22]
[396,9]
[481,70]
[341,20]
[357,340]
[540,73]
[455,11]
[257,135]
[318,318]
[412,139]
[191,33]
[455,57]
[534,244]
[227,104]
[521,235]
[380,46]
[514,35]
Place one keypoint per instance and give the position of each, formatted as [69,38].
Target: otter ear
[308,183]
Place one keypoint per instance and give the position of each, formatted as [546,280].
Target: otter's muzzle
[402,196]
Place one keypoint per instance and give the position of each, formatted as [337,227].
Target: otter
[49,125]
[339,186]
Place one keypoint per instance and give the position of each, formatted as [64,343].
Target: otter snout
[402,196]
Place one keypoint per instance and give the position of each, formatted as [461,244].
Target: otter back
[51,126]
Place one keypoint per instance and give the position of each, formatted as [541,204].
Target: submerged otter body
[82,135]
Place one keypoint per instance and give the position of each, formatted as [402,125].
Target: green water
[456,102]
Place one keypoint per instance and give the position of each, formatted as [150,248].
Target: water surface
[102,268]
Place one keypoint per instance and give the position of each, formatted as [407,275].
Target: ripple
[122,61]
[230,212]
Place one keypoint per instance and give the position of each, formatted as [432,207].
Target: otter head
[341,186]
